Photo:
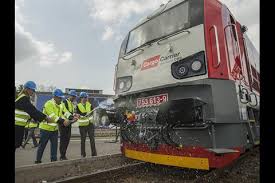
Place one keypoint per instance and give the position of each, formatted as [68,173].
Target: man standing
[49,131]
[65,131]
[24,110]
[31,126]
[85,125]
[26,131]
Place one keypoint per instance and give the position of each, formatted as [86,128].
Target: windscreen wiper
[173,34]
[149,42]
[139,48]
[144,44]
[130,53]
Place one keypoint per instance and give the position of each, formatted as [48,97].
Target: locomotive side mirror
[244,28]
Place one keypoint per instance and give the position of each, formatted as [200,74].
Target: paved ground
[27,156]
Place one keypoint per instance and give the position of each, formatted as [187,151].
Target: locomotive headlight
[128,83]
[191,66]
[121,85]
[124,83]
[182,70]
[196,66]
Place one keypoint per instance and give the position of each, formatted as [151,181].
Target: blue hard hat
[31,85]
[73,93]
[58,93]
[83,95]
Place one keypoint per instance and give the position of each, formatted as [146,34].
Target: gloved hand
[75,119]
[76,115]
[66,122]
[50,120]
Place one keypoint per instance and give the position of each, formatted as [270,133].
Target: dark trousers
[45,136]
[31,135]
[65,135]
[19,133]
[90,130]
[26,131]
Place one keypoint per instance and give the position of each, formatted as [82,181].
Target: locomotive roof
[162,8]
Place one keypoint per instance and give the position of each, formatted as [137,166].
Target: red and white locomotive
[187,87]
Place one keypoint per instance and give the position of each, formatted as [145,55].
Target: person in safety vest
[85,123]
[65,131]
[31,126]
[49,131]
[24,110]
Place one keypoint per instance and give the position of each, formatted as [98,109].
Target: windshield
[175,19]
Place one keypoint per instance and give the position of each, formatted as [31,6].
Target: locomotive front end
[169,110]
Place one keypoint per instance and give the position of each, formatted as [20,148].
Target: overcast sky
[75,43]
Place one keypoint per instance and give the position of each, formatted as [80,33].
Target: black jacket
[25,105]
[67,107]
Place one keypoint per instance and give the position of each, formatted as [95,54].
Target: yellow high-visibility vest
[84,121]
[53,110]
[32,125]
[21,117]
[70,110]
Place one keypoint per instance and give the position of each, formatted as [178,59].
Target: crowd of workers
[58,114]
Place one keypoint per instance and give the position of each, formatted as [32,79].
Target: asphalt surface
[27,156]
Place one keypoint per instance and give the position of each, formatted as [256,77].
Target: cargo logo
[170,58]
[150,62]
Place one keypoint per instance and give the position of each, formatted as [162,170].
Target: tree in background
[43,88]
[51,88]
[40,88]
[20,88]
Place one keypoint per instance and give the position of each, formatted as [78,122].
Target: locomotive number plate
[152,100]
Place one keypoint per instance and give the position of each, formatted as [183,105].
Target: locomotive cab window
[168,22]
[253,59]
[123,46]
[185,15]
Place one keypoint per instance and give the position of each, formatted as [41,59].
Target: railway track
[50,172]
[104,175]
[140,172]
[224,174]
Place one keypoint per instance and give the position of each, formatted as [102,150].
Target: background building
[84,90]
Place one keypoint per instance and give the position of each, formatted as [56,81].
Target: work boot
[37,162]
[63,158]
